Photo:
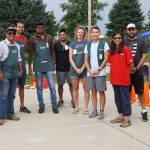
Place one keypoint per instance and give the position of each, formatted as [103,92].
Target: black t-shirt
[62,57]
[138,47]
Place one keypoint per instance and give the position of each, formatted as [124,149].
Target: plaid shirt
[4,51]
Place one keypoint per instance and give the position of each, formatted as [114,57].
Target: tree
[122,13]
[28,11]
[51,24]
[147,25]
[77,13]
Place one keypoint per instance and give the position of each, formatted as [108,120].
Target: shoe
[60,103]
[55,110]
[72,104]
[24,109]
[93,114]
[2,122]
[101,114]
[41,110]
[14,118]
[125,124]
[85,112]
[117,120]
[144,116]
[75,111]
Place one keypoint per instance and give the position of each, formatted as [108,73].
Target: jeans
[50,80]
[7,96]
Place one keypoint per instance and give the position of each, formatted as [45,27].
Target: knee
[102,93]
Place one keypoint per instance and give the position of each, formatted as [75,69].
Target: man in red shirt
[23,43]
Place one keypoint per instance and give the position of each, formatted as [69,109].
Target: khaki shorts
[97,83]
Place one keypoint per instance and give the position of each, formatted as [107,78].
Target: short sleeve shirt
[62,56]
[93,60]
[137,47]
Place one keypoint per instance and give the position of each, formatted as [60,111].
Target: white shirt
[4,50]
[93,58]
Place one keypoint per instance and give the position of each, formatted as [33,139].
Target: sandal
[125,124]
[117,120]
[85,112]
[75,111]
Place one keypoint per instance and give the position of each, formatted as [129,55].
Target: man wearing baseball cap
[139,53]
[10,69]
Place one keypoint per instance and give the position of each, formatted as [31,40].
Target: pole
[89,18]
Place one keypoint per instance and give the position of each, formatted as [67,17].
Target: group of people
[79,59]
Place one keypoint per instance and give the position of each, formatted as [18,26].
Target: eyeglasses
[117,38]
[62,34]
[40,27]
[11,33]
[131,29]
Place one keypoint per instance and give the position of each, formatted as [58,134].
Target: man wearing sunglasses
[10,69]
[22,41]
[139,53]
[41,47]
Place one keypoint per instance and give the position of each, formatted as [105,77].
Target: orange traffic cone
[146,94]
[132,96]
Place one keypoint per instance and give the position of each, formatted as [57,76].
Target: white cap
[131,25]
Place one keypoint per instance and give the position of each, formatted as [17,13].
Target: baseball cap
[10,28]
[131,25]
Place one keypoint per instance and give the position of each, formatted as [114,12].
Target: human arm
[51,45]
[30,54]
[86,62]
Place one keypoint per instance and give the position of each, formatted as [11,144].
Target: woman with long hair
[121,63]
[78,70]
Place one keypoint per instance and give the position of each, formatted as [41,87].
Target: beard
[131,36]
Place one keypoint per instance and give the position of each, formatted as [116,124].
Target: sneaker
[24,109]
[55,110]
[41,110]
[60,103]
[144,116]
[72,104]
[14,118]
[101,115]
[93,114]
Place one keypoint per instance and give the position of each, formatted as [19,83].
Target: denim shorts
[22,79]
[75,75]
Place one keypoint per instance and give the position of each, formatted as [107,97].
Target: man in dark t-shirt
[62,65]
[139,53]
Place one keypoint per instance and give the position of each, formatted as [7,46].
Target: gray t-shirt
[138,47]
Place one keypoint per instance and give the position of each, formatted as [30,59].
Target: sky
[55,6]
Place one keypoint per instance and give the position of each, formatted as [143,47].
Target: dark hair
[63,30]
[113,47]
[18,22]
[40,24]
[97,28]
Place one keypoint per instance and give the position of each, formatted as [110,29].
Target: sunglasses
[117,38]
[131,29]
[11,33]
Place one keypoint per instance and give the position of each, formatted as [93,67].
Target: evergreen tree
[122,13]
[28,11]
[77,13]
[51,24]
